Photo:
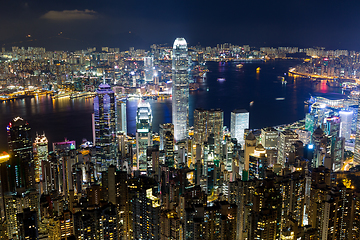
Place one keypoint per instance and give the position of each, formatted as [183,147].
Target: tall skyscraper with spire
[105,126]
[180,89]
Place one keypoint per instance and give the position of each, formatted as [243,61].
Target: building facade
[239,122]
[180,89]
[105,126]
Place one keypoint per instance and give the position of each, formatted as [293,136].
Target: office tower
[208,122]
[250,145]
[334,143]
[121,117]
[143,134]
[163,129]
[20,149]
[357,140]
[153,158]
[149,69]
[123,148]
[40,148]
[304,136]
[269,137]
[180,89]
[286,139]
[346,121]
[320,141]
[310,122]
[105,126]
[239,122]
[332,126]
[258,163]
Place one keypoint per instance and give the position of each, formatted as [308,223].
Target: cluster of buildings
[345,66]
[198,182]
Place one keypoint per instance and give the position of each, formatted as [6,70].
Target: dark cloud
[67,15]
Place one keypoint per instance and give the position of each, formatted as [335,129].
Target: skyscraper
[40,148]
[20,149]
[286,139]
[269,137]
[208,122]
[163,129]
[239,122]
[180,89]
[345,125]
[149,71]
[143,134]
[121,117]
[357,140]
[105,126]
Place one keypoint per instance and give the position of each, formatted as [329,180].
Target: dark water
[72,118]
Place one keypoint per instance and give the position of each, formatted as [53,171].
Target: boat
[279,99]
[251,103]
[61,95]
[239,65]
[221,79]
[258,69]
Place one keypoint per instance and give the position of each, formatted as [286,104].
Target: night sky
[78,24]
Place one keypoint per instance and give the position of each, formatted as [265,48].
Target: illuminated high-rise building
[332,126]
[20,149]
[239,122]
[121,117]
[145,208]
[169,149]
[163,129]
[40,148]
[105,126]
[208,122]
[149,69]
[357,140]
[143,134]
[269,137]
[345,125]
[180,89]
[286,139]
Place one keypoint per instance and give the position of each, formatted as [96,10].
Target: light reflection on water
[71,118]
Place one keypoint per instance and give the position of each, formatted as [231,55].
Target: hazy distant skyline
[71,25]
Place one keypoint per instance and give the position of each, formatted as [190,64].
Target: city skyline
[283,168]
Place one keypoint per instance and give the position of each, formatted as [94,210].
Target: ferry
[61,95]
[239,65]
[279,99]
